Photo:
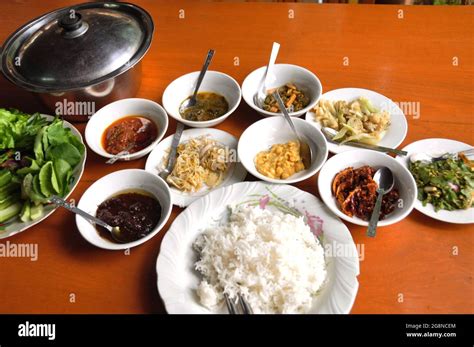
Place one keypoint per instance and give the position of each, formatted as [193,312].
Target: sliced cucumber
[36,212]
[10,212]
[5,177]
[10,200]
[25,213]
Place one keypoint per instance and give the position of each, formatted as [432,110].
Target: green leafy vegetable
[446,184]
[49,153]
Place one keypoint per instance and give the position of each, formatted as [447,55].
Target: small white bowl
[119,109]
[112,184]
[261,135]
[216,82]
[404,182]
[304,79]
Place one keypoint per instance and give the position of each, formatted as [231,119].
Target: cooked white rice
[270,257]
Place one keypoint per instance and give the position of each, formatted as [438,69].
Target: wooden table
[408,268]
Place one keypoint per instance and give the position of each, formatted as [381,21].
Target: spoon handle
[271,62]
[283,110]
[61,202]
[374,218]
[376,148]
[174,147]
[210,54]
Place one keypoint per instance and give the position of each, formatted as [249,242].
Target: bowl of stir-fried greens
[445,179]
[40,156]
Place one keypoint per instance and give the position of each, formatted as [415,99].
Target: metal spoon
[305,151]
[192,100]
[384,179]
[329,133]
[114,231]
[120,155]
[172,156]
[259,97]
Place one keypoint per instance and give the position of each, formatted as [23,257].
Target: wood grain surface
[420,54]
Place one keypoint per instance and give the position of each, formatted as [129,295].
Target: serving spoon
[260,96]
[174,148]
[329,133]
[305,151]
[114,230]
[384,179]
[192,100]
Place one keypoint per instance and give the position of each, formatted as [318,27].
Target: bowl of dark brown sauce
[136,201]
[129,128]
[218,97]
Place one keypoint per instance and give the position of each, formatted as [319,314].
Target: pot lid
[76,47]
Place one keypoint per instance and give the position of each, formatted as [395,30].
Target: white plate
[16,226]
[236,172]
[397,130]
[439,146]
[177,279]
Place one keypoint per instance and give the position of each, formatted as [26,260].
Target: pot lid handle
[72,24]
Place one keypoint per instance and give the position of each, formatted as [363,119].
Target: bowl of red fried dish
[347,187]
[127,128]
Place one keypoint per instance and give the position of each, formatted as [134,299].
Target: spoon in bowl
[259,97]
[384,179]
[305,151]
[114,230]
[192,100]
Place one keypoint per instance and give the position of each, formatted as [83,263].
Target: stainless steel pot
[80,58]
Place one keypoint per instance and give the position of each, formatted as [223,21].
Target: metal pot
[80,58]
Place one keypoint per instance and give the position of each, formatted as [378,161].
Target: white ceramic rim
[251,102]
[207,123]
[334,148]
[182,199]
[100,151]
[120,246]
[190,222]
[356,220]
[77,174]
[455,217]
[289,180]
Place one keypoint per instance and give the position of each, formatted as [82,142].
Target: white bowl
[261,135]
[119,109]
[216,82]
[112,184]
[304,79]
[404,182]
[394,135]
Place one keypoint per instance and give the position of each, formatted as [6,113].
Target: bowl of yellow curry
[269,150]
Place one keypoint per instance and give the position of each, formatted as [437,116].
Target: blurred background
[395,2]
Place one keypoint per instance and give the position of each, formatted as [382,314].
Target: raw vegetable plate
[40,156]
[157,159]
[436,147]
[393,136]
[178,280]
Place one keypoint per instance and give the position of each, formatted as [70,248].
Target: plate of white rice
[276,245]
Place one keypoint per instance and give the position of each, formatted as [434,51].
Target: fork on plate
[233,306]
